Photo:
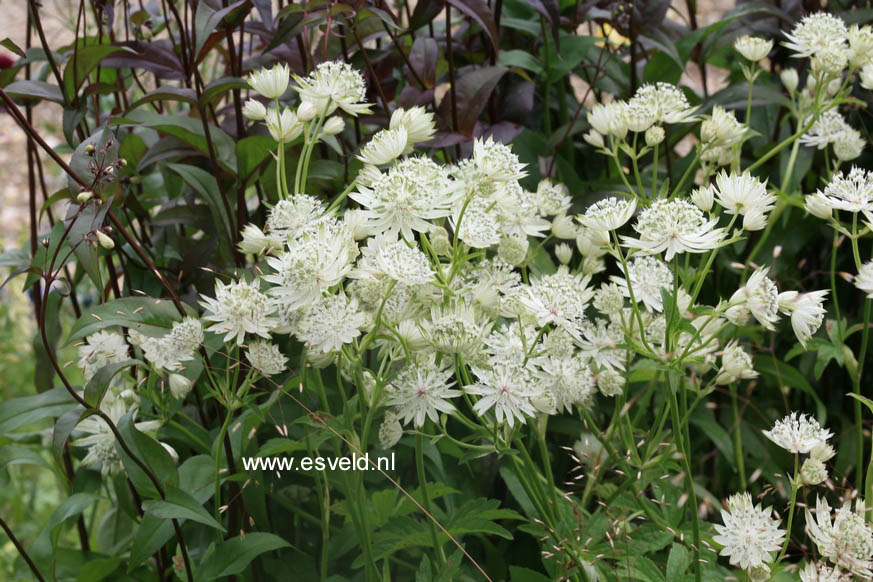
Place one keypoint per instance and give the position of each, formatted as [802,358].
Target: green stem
[425,498]
[738,437]
[794,488]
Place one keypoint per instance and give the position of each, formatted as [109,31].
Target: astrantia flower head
[334,84]
[266,358]
[608,214]
[736,365]
[798,433]
[864,279]
[294,216]
[750,534]
[559,298]
[665,102]
[568,379]
[745,195]
[852,192]
[422,389]
[816,31]
[806,311]
[239,308]
[648,276]
[384,147]
[753,48]
[860,46]
[458,328]
[101,349]
[760,297]
[721,129]
[385,255]
[255,241]
[418,123]
[609,118]
[829,127]
[413,192]
[820,572]
[507,389]
[496,161]
[674,226]
[271,83]
[254,110]
[551,198]
[847,541]
[329,323]
[284,126]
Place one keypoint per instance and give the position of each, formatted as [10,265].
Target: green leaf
[99,382]
[251,152]
[574,50]
[214,90]
[150,452]
[678,561]
[27,410]
[151,535]
[145,314]
[188,129]
[233,555]
[10,45]
[64,427]
[207,186]
[18,455]
[166,93]
[719,437]
[96,570]
[523,59]
[37,89]
[82,62]
[787,376]
[518,574]
[180,505]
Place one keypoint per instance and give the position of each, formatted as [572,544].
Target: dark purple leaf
[472,92]
[479,11]
[550,10]
[152,57]
[424,56]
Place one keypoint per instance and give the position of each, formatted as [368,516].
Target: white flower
[806,312]
[867,77]
[311,265]
[790,79]
[271,83]
[411,193]
[568,379]
[609,118]
[563,252]
[819,572]
[721,129]
[291,218]
[552,198]
[860,46]
[852,192]
[753,48]
[266,358]
[458,328]
[418,123]
[599,343]
[849,145]
[610,383]
[333,126]
[735,365]
[239,308]
[330,323]
[608,214]
[422,389]
[101,440]
[663,102]
[283,127]
[513,249]
[744,195]
[655,135]
[827,129]
[815,32]
[703,197]
[384,147]
[847,541]
[674,226]
[255,242]
[798,433]
[390,431]
[507,389]
[388,256]
[864,279]
[496,161]
[759,297]
[254,110]
[750,534]
[648,276]
[334,84]
[101,349]
[180,386]
[559,298]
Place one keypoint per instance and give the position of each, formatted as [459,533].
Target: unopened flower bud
[654,135]
[105,241]
[84,196]
[564,253]
[563,227]
[180,386]
[306,111]
[333,126]
[790,79]
[254,110]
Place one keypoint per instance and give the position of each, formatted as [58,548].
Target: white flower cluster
[750,535]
